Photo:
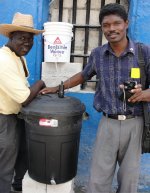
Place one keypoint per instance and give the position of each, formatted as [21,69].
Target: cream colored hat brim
[6,29]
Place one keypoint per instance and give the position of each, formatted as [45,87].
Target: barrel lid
[51,104]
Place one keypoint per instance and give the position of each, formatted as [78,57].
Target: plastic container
[53,128]
[57,41]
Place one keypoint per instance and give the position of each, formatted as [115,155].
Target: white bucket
[57,41]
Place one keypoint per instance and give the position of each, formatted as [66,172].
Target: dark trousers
[8,150]
[21,161]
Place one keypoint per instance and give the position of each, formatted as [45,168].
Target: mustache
[112,33]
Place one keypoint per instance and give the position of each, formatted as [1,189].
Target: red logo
[57,41]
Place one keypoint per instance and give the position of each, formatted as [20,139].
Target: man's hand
[49,90]
[139,94]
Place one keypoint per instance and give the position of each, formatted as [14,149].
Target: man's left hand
[139,94]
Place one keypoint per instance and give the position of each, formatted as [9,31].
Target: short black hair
[113,9]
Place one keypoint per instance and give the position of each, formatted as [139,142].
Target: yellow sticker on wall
[135,72]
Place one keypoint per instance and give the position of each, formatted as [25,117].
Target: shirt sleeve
[12,83]
[90,69]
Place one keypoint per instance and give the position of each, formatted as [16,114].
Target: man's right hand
[49,90]
[69,83]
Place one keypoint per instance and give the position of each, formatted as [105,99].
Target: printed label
[57,41]
[57,48]
[48,122]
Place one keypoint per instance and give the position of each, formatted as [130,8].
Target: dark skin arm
[34,90]
[139,94]
[69,83]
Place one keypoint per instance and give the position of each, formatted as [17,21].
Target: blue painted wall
[39,9]
[139,20]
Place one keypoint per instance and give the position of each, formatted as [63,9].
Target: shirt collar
[10,51]
[130,48]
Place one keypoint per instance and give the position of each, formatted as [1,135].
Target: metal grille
[86,27]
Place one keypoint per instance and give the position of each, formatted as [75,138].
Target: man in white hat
[14,91]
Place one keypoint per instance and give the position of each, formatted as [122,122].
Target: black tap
[61,90]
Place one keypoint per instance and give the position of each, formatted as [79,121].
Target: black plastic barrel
[53,128]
